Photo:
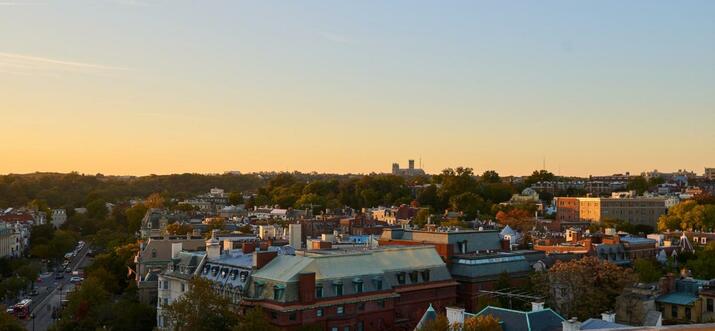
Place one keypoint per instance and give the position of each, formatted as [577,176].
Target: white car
[76,279]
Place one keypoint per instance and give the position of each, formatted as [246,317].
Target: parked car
[34,293]
[59,275]
[75,279]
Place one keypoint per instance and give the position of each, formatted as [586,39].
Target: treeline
[456,189]
[76,190]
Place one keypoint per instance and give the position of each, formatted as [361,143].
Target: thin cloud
[28,64]
[17,3]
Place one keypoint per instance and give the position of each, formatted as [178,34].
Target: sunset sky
[142,86]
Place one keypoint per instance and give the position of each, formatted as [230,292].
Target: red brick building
[381,289]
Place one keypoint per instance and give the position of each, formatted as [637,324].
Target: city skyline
[140,87]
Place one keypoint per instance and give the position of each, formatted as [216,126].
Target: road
[55,291]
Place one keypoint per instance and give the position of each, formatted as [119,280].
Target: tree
[9,323]
[584,288]
[703,263]
[482,323]
[490,176]
[134,216]
[647,270]
[97,209]
[440,323]
[469,203]
[178,228]
[200,309]
[422,217]
[154,200]
[235,198]
[638,184]
[254,319]
[516,218]
[539,176]
[687,215]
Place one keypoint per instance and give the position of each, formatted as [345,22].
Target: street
[43,305]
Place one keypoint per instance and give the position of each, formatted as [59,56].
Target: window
[319,291]
[319,313]
[413,276]
[361,306]
[425,275]
[334,329]
[687,313]
[357,285]
[292,316]
[166,301]
[377,282]
[153,252]
[278,292]
[338,289]
[274,315]
[673,311]
[381,303]
[166,285]
[360,326]
[347,328]
[183,287]
[259,289]
[710,305]
[401,278]
[340,310]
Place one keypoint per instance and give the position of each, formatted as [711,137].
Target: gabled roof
[429,315]
[515,320]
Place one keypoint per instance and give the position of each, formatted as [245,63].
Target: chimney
[263,246]
[537,306]
[609,316]
[248,247]
[411,164]
[260,259]
[571,325]
[175,249]
[306,286]
[505,244]
[213,248]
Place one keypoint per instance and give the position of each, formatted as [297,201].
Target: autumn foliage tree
[178,228]
[688,215]
[583,288]
[516,218]
[200,309]
[482,323]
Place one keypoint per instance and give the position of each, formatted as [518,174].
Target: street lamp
[32,316]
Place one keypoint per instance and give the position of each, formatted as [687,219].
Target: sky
[136,87]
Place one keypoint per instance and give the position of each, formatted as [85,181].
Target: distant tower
[395,168]
[412,164]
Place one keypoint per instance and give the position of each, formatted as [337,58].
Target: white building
[59,217]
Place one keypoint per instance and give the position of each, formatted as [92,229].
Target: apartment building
[635,210]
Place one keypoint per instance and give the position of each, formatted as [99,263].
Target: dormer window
[357,285]
[258,288]
[338,288]
[425,275]
[214,271]
[413,276]
[377,282]
[278,291]
[400,278]
[153,253]
[207,269]
[319,290]
[234,274]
